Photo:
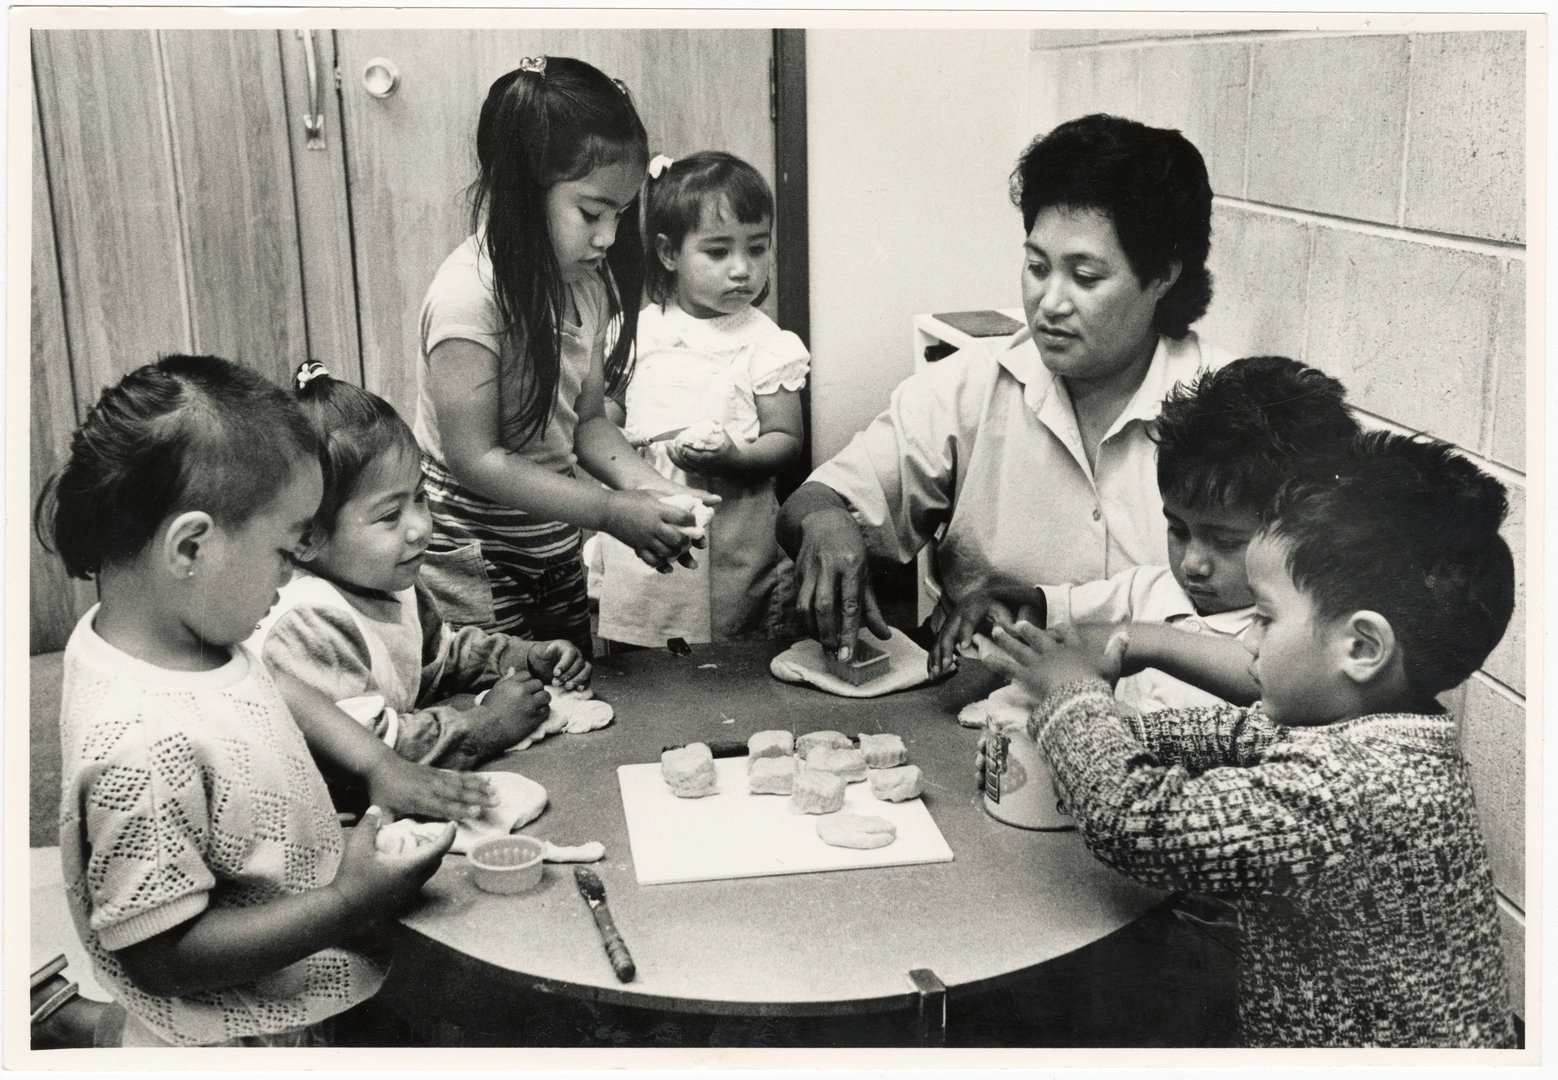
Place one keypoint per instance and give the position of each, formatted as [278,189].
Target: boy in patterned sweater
[1336,814]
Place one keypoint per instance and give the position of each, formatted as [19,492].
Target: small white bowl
[507,864]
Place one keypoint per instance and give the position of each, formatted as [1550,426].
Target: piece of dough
[689,770]
[817,793]
[573,711]
[1007,708]
[896,785]
[883,751]
[702,514]
[520,801]
[405,836]
[836,740]
[856,831]
[771,744]
[771,775]
[850,764]
[702,434]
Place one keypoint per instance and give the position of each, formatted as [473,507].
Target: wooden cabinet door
[166,219]
[411,156]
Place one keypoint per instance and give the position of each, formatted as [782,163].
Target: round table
[814,944]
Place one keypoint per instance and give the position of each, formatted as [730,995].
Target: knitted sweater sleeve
[1256,821]
[144,810]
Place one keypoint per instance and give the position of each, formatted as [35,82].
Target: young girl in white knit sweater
[208,877]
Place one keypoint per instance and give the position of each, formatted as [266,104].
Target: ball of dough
[702,434]
[896,785]
[850,764]
[702,514]
[812,740]
[771,744]
[689,770]
[856,831]
[817,793]
[883,751]
[771,775]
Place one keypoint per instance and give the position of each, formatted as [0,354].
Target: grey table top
[802,944]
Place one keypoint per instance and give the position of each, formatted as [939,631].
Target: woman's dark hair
[1231,438]
[185,433]
[543,124]
[678,198]
[1149,182]
[354,428]
[1407,528]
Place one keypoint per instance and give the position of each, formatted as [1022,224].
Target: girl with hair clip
[715,402]
[356,624]
[515,366]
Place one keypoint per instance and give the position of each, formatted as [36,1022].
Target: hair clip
[307,372]
[536,65]
[620,85]
[658,164]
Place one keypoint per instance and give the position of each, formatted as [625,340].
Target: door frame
[793,270]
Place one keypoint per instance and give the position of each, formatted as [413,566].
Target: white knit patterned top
[184,790]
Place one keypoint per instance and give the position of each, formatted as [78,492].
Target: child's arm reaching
[229,946]
[392,782]
[1215,663]
[465,397]
[781,429]
[980,612]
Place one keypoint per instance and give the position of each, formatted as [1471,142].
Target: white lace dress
[706,369]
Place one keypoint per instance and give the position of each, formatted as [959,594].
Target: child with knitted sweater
[206,872]
[1337,814]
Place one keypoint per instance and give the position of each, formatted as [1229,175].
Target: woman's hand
[560,662]
[833,591]
[1042,661]
[978,613]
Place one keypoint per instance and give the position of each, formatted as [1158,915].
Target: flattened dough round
[856,830]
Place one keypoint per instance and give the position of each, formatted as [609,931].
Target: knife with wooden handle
[594,894]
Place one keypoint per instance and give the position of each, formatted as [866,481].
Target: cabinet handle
[314,117]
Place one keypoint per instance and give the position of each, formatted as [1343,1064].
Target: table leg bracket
[933,1007]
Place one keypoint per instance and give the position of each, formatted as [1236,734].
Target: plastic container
[1019,786]
[507,864]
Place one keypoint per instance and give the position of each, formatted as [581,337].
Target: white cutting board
[736,834]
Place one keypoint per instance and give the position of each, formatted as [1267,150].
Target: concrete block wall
[1369,220]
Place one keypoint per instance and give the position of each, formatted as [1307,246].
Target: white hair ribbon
[658,164]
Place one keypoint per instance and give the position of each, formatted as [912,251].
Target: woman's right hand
[653,529]
[369,881]
[833,581]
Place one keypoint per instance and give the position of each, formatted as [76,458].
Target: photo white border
[1160,1062]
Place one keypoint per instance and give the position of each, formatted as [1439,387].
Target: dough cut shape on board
[883,751]
[817,793]
[849,763]
[898,784]
[771,775]
[689,770]
[856,830]
[771,744]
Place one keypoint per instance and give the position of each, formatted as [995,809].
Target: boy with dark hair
[1337,814]
[1226,443]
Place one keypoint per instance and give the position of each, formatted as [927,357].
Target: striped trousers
[502,569]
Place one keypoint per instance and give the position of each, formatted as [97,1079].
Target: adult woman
[1031,461]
